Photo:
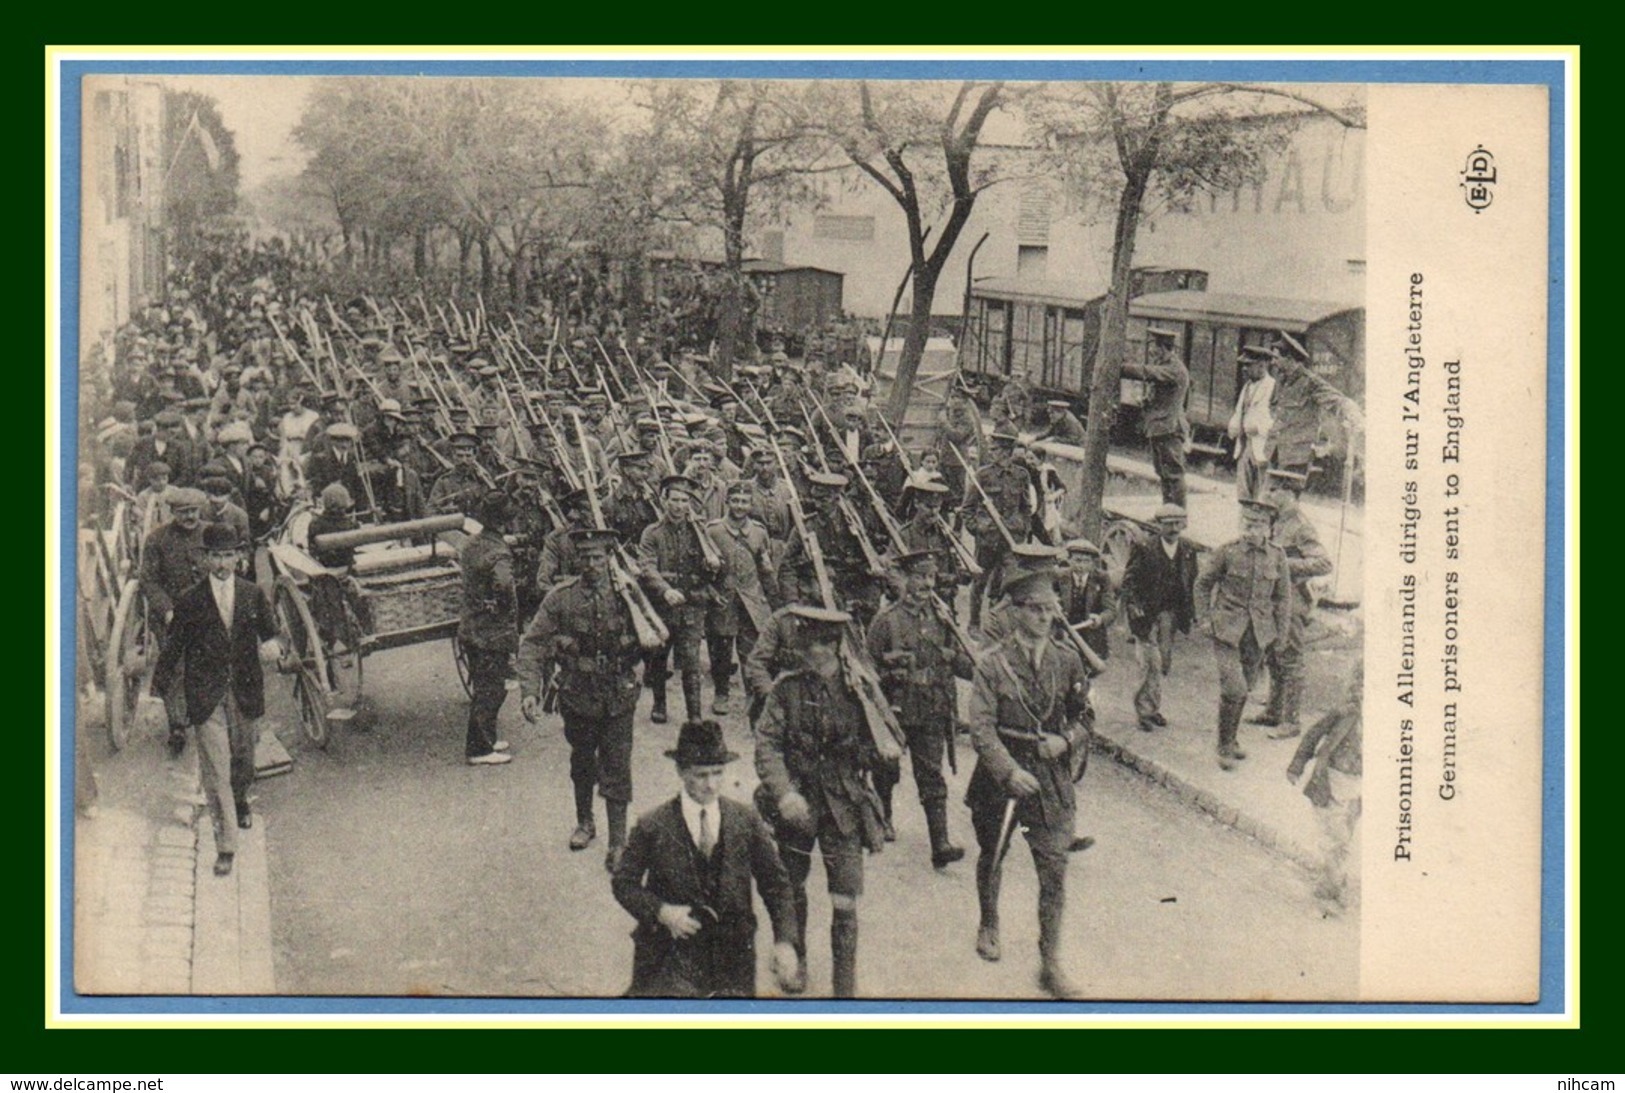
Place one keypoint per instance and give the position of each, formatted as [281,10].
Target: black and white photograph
[718,538]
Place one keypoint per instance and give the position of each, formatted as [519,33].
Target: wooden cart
[409,581]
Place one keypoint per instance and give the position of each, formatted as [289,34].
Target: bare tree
[1124,145]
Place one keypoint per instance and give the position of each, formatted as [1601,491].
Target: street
[396,869]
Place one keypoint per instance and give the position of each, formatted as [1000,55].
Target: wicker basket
[409,605]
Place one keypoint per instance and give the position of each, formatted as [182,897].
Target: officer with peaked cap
[1029,702]
[1162,415]
[1245,593]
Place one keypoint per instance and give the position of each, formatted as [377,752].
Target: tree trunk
[919,328]
[731,308]
[1106,384]
[637,289]
[487,267]
[420,253]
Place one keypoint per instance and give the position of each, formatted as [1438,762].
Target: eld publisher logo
[1478,179]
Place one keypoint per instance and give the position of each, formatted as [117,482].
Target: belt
[1030,736]
[604,662]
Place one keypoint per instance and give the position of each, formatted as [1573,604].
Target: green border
[30,1047]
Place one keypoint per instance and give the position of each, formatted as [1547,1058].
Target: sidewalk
[150,916]
[1255,798]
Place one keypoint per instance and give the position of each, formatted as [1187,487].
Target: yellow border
[1568,54]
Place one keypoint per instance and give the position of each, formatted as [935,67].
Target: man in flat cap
[172,561]
[339,462]
[1158,597]
[1060,424]
[168,443]
[686,878]
[1245,593]
[1250,423]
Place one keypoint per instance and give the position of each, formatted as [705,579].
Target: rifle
[884,730]
[966,556]
[1090,658]
[651,630]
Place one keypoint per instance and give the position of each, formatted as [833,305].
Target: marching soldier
[489,629]
[1008,484]
[531,526]
[1246,593]
[741,609]
[1305,559]
[585,629]
[1027,716]
[559,558]
[918,659]
[679,567]
[814,756]
[843,554]
[459,487]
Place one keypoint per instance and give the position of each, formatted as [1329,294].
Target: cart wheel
[1119,540]
[299,631]
[130,661]
[460,656]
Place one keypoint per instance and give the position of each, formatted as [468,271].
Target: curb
[1227,814]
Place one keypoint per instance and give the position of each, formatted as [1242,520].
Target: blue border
[1554,834]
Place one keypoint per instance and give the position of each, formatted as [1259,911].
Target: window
[845,229]
[1027,341]
[995,337]
[1080,337]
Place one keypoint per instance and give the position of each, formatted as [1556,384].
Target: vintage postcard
[1076,543]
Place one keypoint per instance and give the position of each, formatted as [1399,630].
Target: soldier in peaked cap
[682,573]
[1245,591]
[1306,559]
[1029,701]
[912,644]
[1167,430]
[741,608]
[488,630]
[1008,484]
[815,758]
[584,629]
[458,488]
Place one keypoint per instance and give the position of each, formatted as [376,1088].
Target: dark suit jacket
[662,865]
[1153,584]
[214,659]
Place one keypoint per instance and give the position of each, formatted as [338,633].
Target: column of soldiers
[593,466]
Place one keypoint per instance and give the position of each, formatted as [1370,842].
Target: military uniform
[1305,559]
[455,491]
[489,634]
[585,628]
[740,610]
[918,658]
[1014,703]
[1007,483]
[1163,413]
[1246,590]
[812,740]
[671,558]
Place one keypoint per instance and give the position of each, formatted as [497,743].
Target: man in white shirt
[1251,422]
[686,877]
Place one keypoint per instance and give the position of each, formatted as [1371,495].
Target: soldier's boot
[585,831]
[1052,978]
[843,948]
[1229,722]
[1271,715]
[1291,701]
[617,834]
[987,896]
[693,705]
[943,852]
[657,713]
